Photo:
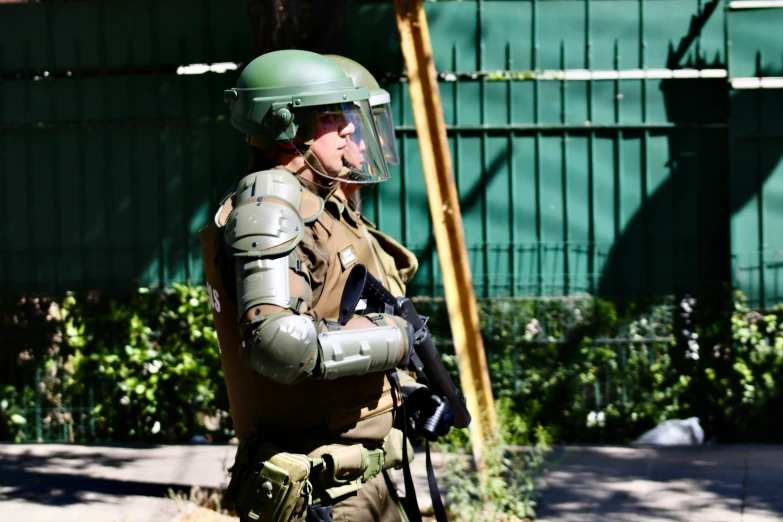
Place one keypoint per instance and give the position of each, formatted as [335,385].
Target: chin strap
[323,191]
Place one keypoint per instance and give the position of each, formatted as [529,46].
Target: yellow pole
[446,219]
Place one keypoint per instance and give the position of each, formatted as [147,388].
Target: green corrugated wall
[756,191]
[111,162]
[611,186]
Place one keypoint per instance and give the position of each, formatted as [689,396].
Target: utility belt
[267,483]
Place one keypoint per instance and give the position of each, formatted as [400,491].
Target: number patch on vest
[214,298]
[347,257]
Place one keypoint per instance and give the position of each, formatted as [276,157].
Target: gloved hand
[428,414]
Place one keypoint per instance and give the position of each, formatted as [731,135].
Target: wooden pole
[446,219]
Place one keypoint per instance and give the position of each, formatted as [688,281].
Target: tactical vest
[350,408]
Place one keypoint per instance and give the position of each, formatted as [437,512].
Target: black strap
[411,506]
[437,503]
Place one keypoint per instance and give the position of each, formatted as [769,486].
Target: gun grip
[352,293]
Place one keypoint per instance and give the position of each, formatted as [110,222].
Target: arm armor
[281,342]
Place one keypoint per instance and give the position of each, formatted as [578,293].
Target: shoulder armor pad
[266,220]
[311,206]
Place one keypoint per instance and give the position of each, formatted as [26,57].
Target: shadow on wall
[677,241]
[719,162]
[675,238]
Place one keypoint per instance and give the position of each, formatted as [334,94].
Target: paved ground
[103,483]
[117,483]
[709,483]
[585,483]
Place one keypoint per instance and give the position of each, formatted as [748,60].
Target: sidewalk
[43,482]
[67,483]
[585,483]
[705,484]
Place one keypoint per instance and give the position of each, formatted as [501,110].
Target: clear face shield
[339,142]
[381,113]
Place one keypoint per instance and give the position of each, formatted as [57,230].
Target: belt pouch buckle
[270,489]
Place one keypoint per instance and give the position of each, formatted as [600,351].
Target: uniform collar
[336,206]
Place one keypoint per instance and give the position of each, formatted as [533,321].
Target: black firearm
[424,359]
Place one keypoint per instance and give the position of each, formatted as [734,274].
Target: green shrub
[741,381]
[588,370]
[155,358]
[147,364]
[513,461]
[13,422]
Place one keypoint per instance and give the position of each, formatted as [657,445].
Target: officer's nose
[348,129]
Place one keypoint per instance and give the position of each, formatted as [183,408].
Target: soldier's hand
[428,413]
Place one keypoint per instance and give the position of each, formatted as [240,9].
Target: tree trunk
[312,25]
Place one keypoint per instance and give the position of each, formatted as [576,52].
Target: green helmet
[380,101]
[290,98]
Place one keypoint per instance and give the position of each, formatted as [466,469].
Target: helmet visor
[383,121]
[339,142]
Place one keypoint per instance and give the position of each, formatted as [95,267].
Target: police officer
[311,400]
[380,104]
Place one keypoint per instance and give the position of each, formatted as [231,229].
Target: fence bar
[38,427]
[564,171]
[29,180]
[537,120]
[760,192]
[511,185]
[485,230]
[4,194]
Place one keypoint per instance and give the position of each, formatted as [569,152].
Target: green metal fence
[590,138]
[584,136]
[111,161]
[756,112]
[64,422]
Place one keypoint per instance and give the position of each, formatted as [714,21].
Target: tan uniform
[304,417]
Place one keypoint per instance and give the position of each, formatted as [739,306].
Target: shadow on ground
[624,483]
[59,476]
[61,489]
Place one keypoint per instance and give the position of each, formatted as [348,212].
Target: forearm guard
[373,349]
[286,349]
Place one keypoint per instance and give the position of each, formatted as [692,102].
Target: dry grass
[201,505]
[200,514]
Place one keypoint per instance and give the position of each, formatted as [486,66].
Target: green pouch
[271,487]
[343,471]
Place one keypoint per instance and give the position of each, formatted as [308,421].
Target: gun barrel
[437,376]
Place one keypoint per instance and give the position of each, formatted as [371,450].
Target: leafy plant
[742,381]
[148,363]
[505,491]
[589,370]
[13,423]
[156,360]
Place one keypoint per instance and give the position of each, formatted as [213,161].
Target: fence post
[446,219]
[38,427]
[91,405]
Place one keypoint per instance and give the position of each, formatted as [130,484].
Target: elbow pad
[286,348]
